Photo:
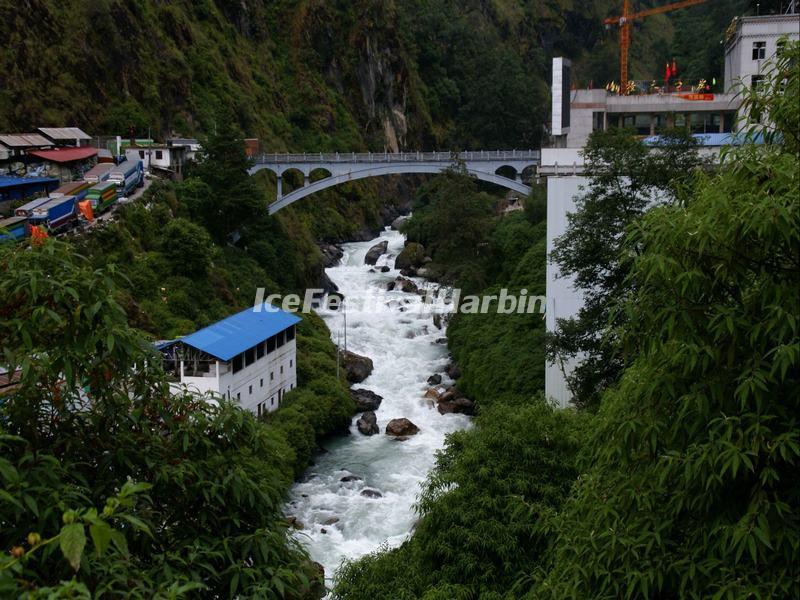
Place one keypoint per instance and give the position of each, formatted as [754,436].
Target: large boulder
[412,255]
[401,427]
[435,379]
[398,223]
[370,493]
[450,404]
[365,400]
[331,254]
[374,253]
[357,367]
[453,371]
[368,423]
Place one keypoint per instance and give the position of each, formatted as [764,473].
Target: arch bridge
[344,167]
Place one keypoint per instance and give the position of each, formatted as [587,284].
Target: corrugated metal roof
[24,140]
[237,333]
[65,133]
[62,155]
[16,181]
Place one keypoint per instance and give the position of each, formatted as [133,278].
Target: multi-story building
[657,104]
[750,43]
[249,357]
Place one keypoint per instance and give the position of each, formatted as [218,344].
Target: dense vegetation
[202,508]
[683,484]
[318,75]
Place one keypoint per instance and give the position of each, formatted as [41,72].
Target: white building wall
[563,300]
[739,61]
[265,381]
[150,157]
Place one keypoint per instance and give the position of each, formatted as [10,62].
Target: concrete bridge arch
[483,165]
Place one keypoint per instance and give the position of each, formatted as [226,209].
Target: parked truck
[102,195]
[98,173]
[73,188]
[128,175]
[55,214]
[27,209]
[13,228]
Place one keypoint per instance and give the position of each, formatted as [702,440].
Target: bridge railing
[390,157]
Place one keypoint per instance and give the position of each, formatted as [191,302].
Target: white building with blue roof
[249,357]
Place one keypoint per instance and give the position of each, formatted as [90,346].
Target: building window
[281,338]
[141,154]
[260,351]
[759,50]
[291,386]
[271,344]
[290,334]
[272,401]
[272,376]
[281,369]
[238,396]
[291,363]
[261,383]
[249,357]
[237,363]
[159,155]
[756,81]
[597,121]
[260,408]
[250,390]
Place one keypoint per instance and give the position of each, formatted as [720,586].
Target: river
[402,343]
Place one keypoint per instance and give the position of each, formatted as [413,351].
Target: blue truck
[13,228]
[128,175]
[26,210]
[55,214]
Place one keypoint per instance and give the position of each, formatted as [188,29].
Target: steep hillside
[321,74]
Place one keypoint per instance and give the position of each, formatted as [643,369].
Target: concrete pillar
[280,187]
[306,180]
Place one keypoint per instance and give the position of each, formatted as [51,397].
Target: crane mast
[624,20]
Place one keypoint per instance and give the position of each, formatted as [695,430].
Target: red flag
[674,70]
[667,72]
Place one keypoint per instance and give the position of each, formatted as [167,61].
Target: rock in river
[412,255]
[368,493]
[357,367]
[365,399]
[435,379]
[374,253]
[368,423]
[401,427]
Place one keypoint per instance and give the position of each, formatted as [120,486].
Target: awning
[64,155]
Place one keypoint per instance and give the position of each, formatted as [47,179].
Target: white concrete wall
[563,300]
[149,157]
[265,380]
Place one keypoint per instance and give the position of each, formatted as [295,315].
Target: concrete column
[306,180]
[280,187]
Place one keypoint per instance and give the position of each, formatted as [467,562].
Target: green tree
[188,247]
[691,485]
[91,411]
[233,200]
[626,177]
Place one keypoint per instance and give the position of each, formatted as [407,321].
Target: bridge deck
[393,157]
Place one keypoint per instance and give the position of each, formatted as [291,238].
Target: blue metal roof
[6,181]
[237,333]
[715,139]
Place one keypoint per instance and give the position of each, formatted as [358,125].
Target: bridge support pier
[306,180]
[280,187]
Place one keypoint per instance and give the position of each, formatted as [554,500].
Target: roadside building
[65,164]
[161,159]
[191,145]
[13,147]
[249,357]
[66,136]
